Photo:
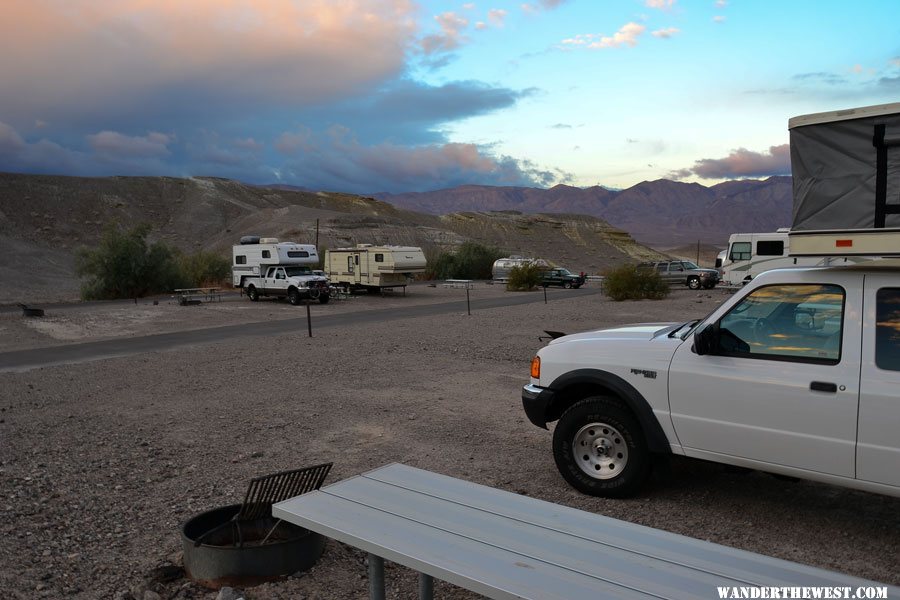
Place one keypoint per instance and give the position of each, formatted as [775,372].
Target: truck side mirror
[706,341]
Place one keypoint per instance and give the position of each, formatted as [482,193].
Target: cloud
[450,37]
[820,77]
[532,8]
[665,33]
[339,162]
[188,58]
[895,61]
[741,163]
[718,19]
[659,4]
[626,36]
[115,144]
[496,16]
[721,3]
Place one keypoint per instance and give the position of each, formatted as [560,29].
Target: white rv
[254,254]
[368,266]
[749,254]
[502,266]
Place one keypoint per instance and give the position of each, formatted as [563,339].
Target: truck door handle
[823,386]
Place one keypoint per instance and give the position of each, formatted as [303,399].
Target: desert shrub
[631,283]
[523,278]
[125,265]
[204,268]
[470,261]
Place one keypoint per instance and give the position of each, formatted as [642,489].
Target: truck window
[349,264]
[298,254]
[266,254]
[802,323]
[379,257]
[240,259]
[770,248]
[887,329]
[740,251]
[279,274]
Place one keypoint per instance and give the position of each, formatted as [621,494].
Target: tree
[125,265]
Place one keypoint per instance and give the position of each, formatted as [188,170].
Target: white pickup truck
[797,374]
[295,282]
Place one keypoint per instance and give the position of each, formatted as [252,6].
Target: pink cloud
[292,52]
[742,163]
[117,145]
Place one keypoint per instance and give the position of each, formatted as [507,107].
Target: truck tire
[324,298]
[294,296]
[693,283]
[600,450]
[252,293]
[567,285]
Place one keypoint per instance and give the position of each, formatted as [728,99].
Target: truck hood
[640,331]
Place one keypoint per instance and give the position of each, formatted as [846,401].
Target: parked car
[561,277]
[684,272]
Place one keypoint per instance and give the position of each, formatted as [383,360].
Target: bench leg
[376,577]
[426,587]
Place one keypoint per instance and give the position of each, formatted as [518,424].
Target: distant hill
[660,213]
[45,219]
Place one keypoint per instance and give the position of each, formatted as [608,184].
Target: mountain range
[45,219]
[661,213]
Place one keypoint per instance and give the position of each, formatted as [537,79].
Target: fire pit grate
[265,491]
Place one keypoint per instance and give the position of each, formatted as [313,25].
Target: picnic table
[189,296]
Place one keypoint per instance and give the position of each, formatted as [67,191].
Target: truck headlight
[536,367]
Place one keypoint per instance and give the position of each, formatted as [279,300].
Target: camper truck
[797,374]
[268,267]
[374,267]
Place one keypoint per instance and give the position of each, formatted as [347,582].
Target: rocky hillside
[45,219]
[661,213]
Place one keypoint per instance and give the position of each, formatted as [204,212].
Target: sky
[368,96]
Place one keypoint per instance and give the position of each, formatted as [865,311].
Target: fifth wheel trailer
[374,267]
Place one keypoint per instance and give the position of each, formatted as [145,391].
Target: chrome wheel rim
[600,450]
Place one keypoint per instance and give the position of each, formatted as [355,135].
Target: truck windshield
[689,265]
[298,271]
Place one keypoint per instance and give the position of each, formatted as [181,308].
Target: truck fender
[588,382]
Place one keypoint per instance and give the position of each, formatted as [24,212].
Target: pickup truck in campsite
[797,374]
[294,282]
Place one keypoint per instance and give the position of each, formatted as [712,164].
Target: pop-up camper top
[846,182]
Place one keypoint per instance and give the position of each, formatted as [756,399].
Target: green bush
[125,265]
[470,261]
[204,268]
[630,283]
[523,278]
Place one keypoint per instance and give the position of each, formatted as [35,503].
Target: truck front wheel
[693,283]
[252,293]
[600,449]
[294,296]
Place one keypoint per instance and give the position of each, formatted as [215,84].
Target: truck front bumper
[535,401]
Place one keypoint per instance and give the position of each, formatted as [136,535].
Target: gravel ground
[101,462]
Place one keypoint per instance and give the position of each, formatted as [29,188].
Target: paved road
[25,360]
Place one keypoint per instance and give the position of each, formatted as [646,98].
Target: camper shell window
[770,248]
[266,254]
[740,251]
[298,254]
[887,332]
[379,257]
[240,259]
